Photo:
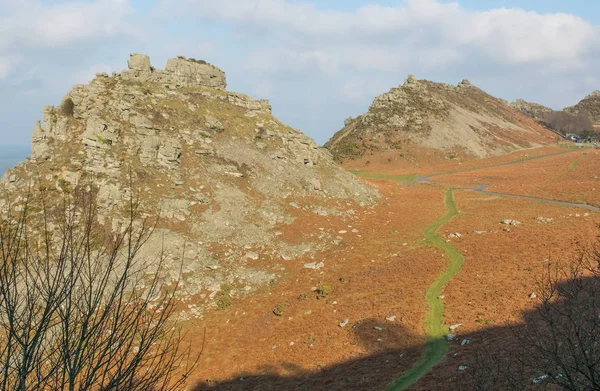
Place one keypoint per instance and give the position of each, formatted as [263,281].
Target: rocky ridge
[460,119]
[588,106]
[579,119]
[533,110]
[223,174]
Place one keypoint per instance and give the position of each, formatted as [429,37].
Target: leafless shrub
[559,345]
[76,310]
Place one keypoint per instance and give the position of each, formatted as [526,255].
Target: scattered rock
[465,341]
[463,368]
[316,184]
[450,337]
[532,295]
[213,124]
[510,222]
[344,323]
[391,318]
[252,255]
[455,327]
[540,379]
[314,265]
[377,328]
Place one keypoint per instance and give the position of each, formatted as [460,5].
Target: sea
[11,155]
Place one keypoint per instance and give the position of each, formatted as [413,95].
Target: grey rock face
[139,62]
[191,73]
[216,169]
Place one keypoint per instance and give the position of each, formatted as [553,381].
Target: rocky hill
[588,106]
[576,119]
[226,177]
[459,120]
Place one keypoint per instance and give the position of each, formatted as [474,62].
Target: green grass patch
[437,346]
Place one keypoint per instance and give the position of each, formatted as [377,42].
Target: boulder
[316,184]
[139,62]
[213,124]
[194,73]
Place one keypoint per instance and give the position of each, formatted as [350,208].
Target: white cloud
[34,23]
[517,36]
[383,37]
[46,45]
[280,60]
[341,59]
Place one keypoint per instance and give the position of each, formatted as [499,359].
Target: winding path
[437,346]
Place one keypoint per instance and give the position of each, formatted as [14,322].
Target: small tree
[76,310]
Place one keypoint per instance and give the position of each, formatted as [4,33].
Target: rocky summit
[453,120]
[224,175]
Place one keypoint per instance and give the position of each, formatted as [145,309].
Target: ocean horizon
[12,155]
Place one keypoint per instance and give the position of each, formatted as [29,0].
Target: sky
[317,61]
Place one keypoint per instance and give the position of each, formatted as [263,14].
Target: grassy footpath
[437,346]
[565,172]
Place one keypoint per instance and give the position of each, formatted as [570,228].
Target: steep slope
[461,120]
[225,176]
[588,106]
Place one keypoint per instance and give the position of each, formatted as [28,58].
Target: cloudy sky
[318,61]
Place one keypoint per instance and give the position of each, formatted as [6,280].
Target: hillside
[227,179]
[452,120]
[571,120]
[588,106]
[533,110]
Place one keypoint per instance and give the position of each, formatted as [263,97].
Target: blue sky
[318,62]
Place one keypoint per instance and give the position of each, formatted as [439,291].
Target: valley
[432,254]
[410,252]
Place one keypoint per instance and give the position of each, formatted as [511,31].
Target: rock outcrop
[533,110]
[458,119]
[216,166]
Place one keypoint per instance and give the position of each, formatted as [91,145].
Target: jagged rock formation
[461,119]
[588,106]
[223,173]
[533,110]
